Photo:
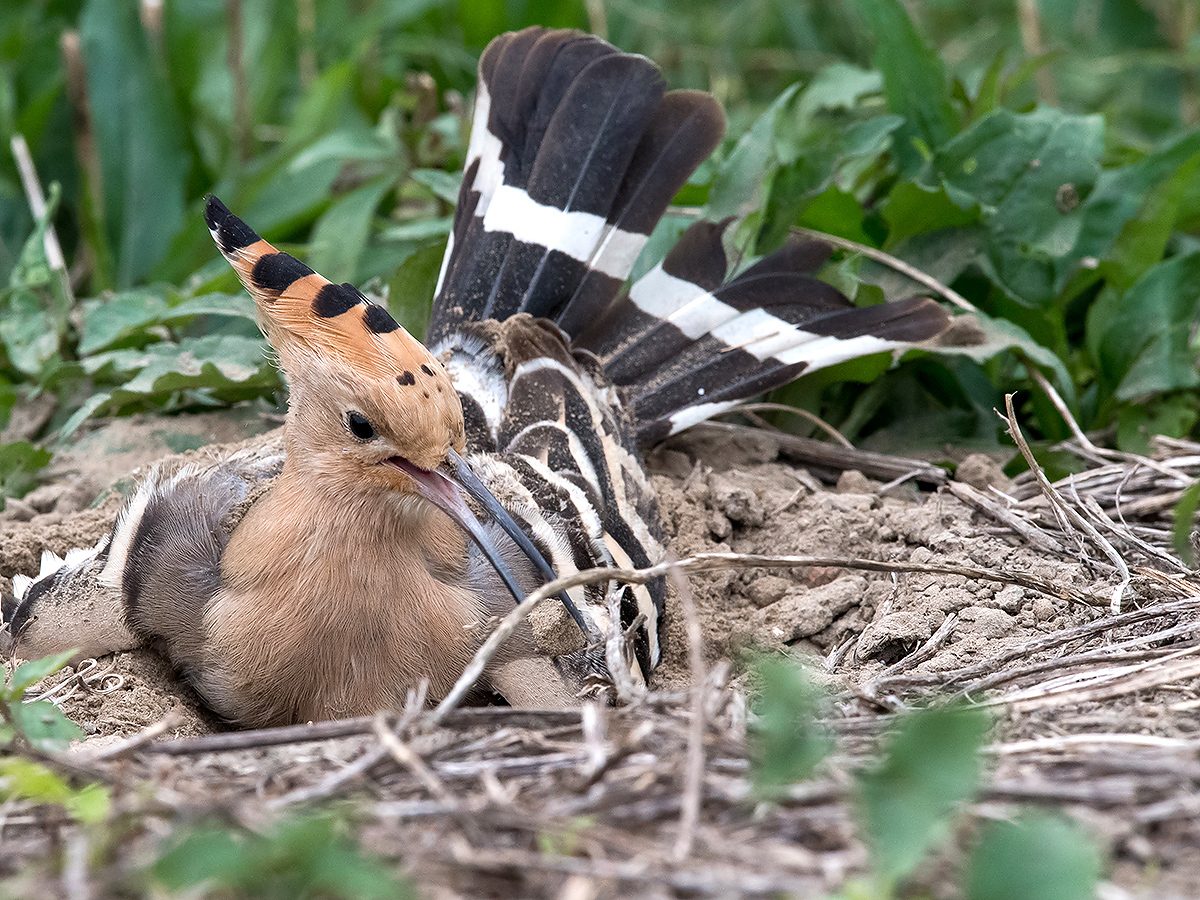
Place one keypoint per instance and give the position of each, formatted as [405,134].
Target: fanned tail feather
[567,173]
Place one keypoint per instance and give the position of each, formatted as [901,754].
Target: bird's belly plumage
[324,615]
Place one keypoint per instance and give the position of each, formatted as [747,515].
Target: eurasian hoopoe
[319,577]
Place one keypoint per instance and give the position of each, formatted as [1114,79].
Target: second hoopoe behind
[328,580]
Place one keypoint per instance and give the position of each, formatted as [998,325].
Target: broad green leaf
[931,765]
[914,82]
[1135,208]
[341,233]
[943,255]
[1028,173]
[214,361]
[108,320]
[306,857]
[1134,360]
[235,305]
[139,137]
[911,209]
[20,462]
[1036,857]
[1173,415]
[204,854]
[410,290]
[835,212]
[838,86]
[91,804]
[789,741]
[21,777]
[1184,523]
[28,329]
[28,674]
[44,725]
[743,180]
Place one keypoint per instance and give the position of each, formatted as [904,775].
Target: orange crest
[308,318]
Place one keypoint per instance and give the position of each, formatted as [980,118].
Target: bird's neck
[348,533]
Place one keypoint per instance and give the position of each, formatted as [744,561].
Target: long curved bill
[443,488]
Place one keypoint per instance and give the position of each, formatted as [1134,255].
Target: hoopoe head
[369,406]
[363,390]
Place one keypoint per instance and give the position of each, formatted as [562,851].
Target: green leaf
[838,86]
[21,777]
[1135,208]
[358,143]
[139,137]
[931,765]
[412,287]
[1141,360]
[419,230]
[109,320]
[81,415]
[44,725]
[239,306]
[28,329]
[203,855]
[789,741]
[1037,857]
[1027,173]
[214,361]
[914,82]
[911,210]
[443,184]
[28,674]
[20,462]
[91,804]
[1172,415]
[1184,523]
[743,180]
[306,857]
[341,232]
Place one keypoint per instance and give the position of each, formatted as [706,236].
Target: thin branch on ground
[1014,431]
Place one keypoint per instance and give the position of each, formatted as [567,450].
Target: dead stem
[1060,504]
[694,773]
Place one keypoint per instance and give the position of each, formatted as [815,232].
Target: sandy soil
[858,629]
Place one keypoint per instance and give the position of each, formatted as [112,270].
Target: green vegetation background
[1039,158]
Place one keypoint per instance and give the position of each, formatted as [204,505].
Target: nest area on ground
[1060,606]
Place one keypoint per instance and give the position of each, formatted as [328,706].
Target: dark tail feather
[747,357]
[558,118]
[684,347]
[575,154]
[687,127]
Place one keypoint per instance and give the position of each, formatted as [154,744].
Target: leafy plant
[930,765]
[29,780]
[40,723]
[1033,857]
[789,742]
[928,769]
[304,857]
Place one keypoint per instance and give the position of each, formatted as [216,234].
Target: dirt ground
[1097,710]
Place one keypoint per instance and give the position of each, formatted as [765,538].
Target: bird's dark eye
[360,426]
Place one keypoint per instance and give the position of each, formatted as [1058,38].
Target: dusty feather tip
[230,232]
